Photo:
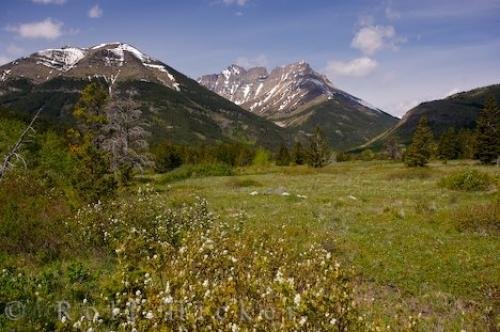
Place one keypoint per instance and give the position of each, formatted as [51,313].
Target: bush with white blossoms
[177,269]
[186,269]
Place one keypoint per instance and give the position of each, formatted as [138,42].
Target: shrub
[209,276]
[261,158]
[198,170]
[342,156]
[468,180]
[483,218]
[367,155]
[167,157]
[32,217]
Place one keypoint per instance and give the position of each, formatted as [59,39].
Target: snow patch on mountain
[114,54]
[61,58]
[5,74]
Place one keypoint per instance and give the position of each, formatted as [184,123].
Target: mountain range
[175,106]
[253,105]
[298,98]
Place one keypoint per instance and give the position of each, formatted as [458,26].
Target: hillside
[174,105]
[459,111]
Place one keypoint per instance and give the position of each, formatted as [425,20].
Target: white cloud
[47,29]
[4,60]
[95,12]
[235,2]
[355,68]
[49,2]
[258,61]
[238,13]
[372,38]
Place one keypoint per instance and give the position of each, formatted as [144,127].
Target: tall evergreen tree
[94,179]
[318,154]
[420,150]
[299,155]
[448,147]
[283,157]
[488,133]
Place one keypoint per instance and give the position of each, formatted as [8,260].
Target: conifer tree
[488,134]
[283,157]
[94,179]
[448,147]
[299,155]
[318,154]
[420,150]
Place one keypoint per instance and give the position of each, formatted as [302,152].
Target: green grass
[196,171]
[395,226]
[409,245]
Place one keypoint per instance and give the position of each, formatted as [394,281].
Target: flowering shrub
[185,269]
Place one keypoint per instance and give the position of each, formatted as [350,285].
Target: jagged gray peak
[283,90]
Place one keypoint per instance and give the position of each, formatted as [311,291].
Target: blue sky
[394,54]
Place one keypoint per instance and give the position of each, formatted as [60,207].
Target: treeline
[169,156]
[481,143]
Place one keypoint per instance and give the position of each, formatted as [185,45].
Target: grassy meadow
[352,246]
[400,232]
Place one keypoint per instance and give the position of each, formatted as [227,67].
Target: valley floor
[396,227]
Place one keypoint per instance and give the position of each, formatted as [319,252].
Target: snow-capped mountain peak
[111,61]
[284,89]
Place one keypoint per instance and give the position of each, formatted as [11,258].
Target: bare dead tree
[125,135]
[13,154]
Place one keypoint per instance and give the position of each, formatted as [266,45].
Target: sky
[393,54]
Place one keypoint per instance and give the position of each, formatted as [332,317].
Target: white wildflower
[168,299]
[296,300]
